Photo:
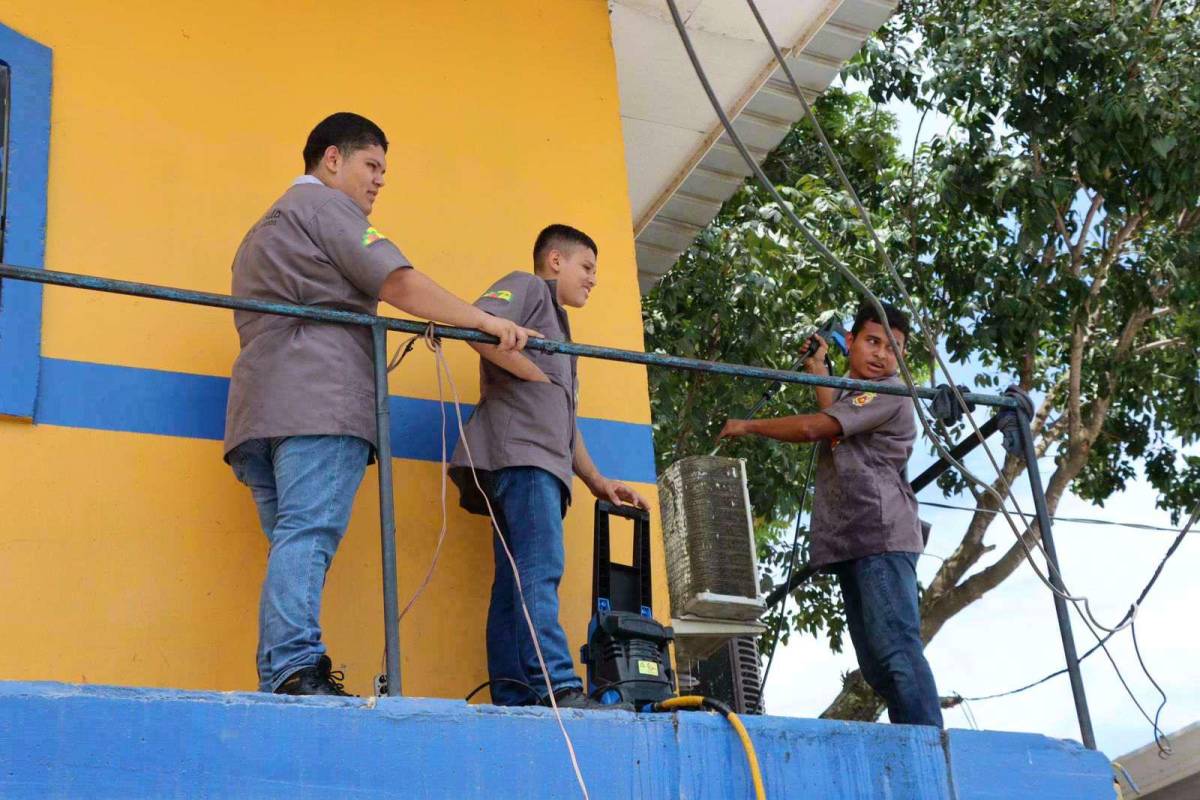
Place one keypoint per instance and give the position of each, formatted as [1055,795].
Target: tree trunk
[857,701]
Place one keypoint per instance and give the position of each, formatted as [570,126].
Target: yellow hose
[686,701]
[695,701]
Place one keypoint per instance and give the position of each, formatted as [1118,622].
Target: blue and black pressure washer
[627,651]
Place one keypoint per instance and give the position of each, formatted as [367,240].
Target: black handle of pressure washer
[602,566]
[628,512]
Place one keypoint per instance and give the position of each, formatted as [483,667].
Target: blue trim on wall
[80,394]
[101,742]
[25,239]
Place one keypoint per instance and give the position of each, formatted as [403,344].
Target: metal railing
[387,525]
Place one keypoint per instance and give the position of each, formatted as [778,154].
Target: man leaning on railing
[300,425]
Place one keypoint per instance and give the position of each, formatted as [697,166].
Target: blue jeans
[529,504]
[304,487]
[880,597]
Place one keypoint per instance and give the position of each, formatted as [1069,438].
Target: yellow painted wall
[136,559]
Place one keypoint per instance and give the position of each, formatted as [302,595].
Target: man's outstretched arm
[419,295]
[800,428]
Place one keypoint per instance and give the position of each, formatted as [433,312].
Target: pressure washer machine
[627,652]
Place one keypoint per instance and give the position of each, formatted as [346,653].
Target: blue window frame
[5,103]
[24,157]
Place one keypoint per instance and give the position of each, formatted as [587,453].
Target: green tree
[1052,234]
[748,291]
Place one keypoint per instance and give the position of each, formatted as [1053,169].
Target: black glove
[1009,423]
[945,406]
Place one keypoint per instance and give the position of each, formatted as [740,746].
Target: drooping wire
[434,344]
[931,345]
[1160,738]
[970,715]
[1057,518]
[842,269]
[809,352]
[441,540]
[812,463]
[1081,603]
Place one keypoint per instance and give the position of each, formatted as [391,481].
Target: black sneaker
[319,679]
[575,698]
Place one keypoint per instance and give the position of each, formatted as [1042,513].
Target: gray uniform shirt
[863,503]
[294,377]
[522,423]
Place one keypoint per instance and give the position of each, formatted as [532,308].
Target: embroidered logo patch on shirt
[371,236]
[862,399]
[504,295]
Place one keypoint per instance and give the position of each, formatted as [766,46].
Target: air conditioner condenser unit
[708,531]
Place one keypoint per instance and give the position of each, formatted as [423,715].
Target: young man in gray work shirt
[525,446]
[864,524]
[300,424]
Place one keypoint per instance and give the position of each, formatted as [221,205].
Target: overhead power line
[1080,520]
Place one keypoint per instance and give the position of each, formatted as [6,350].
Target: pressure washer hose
[692,701]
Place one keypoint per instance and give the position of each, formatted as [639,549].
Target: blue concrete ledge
[75,742]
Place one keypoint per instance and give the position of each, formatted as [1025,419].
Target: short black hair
[559,236]
[345,131]
[896,318]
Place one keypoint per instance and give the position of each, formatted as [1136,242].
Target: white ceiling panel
[681,167]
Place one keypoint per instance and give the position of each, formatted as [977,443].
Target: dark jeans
[529,504]
[880,596]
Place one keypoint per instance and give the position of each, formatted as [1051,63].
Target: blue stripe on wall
[80,394]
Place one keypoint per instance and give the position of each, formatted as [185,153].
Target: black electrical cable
[1038,682]
[1160,739]
[809,351]
[537,697]
[812,463]
[1056,518]
[866,218]
[1052,567]
[849,275]
[785,209]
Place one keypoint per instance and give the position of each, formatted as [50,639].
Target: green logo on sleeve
[504,295]
[371,236]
